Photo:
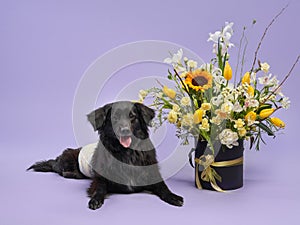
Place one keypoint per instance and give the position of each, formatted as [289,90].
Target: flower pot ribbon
[209,174]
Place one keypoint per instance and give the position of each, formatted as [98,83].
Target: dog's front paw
[173,199]
[95,203]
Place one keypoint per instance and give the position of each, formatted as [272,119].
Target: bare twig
[264,34]
[284,80]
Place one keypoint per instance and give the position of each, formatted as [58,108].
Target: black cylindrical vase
[232,175]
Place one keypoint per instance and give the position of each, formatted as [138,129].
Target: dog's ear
[98,116]
[147,113]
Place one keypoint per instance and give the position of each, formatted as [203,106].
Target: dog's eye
[131,115]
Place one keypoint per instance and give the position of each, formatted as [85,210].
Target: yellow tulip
[246,78]
[198,116]
[169,92]
[227,71]
[251,116]
[266,113]
[250,91]
[277,122]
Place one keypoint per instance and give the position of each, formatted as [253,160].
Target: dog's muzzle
[125,137]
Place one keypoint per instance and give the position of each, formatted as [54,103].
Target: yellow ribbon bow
[209,174]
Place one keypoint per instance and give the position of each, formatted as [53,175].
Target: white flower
[237,107]
[227,107]
[217,100]
[176,108]
[192,64]
[285,102]
[176,58]
[143,94]
[265,67]
[250,103]
[268,80]
[229,138]
[185,101]
[187,120]
[216,120]
[252,77]
[222,37]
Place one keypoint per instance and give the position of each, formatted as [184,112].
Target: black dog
[124,160]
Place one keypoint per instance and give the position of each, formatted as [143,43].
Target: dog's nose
[125,131]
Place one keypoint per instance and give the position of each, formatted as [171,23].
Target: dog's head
[122,120]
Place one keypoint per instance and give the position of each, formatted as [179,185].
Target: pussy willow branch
[284,80]
[263,36]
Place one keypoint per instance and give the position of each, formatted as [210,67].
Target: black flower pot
[228,165]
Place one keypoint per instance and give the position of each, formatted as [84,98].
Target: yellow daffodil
[198,116]
[246,78]
[266,113]
[169,92]
[227,71]
[277,122]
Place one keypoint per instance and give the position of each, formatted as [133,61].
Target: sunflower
[199,80]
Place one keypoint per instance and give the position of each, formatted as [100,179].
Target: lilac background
[45,48]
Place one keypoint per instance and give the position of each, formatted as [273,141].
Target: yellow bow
[209,174]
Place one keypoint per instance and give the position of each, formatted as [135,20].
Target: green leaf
[266,129]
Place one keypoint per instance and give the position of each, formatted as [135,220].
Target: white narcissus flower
[250,103]
[229,138]
[265,67]
[192,64]
[285,102]
[227,107]
[185,101]
[187,120]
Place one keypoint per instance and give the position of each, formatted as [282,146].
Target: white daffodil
[187,120]
[227,107]
[185,101]
[192,64]
[285,102]
[265,67]
[229,138]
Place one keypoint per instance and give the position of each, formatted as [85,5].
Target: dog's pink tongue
[125,141]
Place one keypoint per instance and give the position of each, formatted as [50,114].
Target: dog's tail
[44,166]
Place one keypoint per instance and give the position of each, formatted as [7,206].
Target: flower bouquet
[218,111]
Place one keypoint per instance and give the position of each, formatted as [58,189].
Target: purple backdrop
[45,48]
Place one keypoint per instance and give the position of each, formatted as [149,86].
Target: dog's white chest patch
[85,158]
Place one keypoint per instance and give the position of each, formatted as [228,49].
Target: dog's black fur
[116,122]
